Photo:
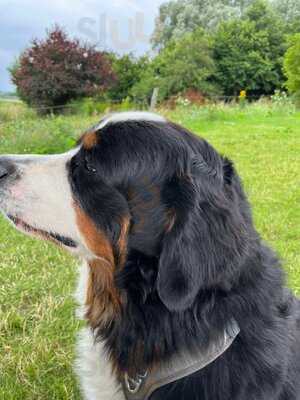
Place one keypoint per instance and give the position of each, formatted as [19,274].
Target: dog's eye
[90,167]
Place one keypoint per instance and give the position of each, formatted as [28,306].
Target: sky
[118,25]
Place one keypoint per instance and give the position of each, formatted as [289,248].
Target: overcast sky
[120,25]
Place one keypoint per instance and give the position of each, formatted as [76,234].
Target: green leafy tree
[292,66]
[176,18]
[249,52]
[128,70]
[181,65]
[289,10]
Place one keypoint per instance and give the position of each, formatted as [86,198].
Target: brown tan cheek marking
[95,240]
[89,140]
[102,298]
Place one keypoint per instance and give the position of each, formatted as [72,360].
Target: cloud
[119,25]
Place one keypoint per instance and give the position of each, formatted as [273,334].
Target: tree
[249,52]
[181,65]
[128,71]
[292,66]
[176,18]
[53,71]
[289,10]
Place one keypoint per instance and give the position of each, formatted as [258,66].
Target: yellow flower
[243,94]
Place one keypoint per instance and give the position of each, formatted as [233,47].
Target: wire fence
[111,103]
[62,108]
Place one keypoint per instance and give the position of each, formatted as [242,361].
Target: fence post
[154,99]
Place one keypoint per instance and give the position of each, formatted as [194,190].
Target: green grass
[37,323]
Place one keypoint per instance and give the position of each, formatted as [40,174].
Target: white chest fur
[92,364]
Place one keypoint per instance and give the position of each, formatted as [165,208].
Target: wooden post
[154,99]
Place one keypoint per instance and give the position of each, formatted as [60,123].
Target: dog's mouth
[53,237]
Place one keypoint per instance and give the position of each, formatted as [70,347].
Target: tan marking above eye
[89,140]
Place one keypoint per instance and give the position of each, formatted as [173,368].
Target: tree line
[214,47]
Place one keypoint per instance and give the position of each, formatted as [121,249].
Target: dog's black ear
[179,277]
[205,241]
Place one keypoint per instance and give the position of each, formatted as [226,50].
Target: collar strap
[179,366]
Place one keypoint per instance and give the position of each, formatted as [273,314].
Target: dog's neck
[137,327]
[180,365]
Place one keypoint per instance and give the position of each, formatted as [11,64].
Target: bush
[248,53]
[181,65]
[88,106]
[92,106]
[56,70]
[128,71]
[292,67]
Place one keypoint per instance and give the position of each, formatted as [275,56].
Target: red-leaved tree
[53,71]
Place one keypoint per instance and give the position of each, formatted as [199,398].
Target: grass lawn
[37,323]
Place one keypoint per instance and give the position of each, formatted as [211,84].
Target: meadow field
[37,320]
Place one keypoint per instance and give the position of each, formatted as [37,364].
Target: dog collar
[179,366]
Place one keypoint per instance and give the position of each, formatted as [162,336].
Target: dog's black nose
[7,168]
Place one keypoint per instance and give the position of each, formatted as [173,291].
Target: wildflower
[243,94]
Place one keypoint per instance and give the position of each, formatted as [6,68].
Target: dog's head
[136,182]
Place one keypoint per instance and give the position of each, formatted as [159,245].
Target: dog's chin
[42,234]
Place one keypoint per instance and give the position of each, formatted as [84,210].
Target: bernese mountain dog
[182,298]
